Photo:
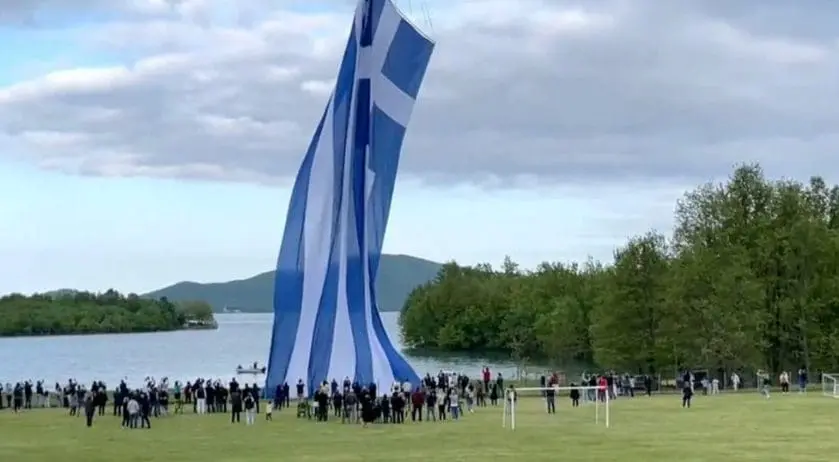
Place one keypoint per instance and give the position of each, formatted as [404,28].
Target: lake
[181,355]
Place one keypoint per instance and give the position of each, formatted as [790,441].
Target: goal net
[830,385]
[529,406]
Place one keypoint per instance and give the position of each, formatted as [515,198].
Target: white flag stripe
[317,241]
[342,362]
[347,338]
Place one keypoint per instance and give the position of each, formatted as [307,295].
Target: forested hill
[748,280]
[398,276]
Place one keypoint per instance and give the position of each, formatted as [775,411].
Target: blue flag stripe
[288,279]
[327,324]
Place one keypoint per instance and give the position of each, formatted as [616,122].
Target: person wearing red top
[487,378]
[602,385]
[417,403]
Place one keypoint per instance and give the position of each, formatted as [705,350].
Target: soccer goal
[830,385]
[529,401]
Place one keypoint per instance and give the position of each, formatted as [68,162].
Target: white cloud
[546,89]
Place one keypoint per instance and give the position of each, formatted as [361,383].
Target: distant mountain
[62,293]
[398,276]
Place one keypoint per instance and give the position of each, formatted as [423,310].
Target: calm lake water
[182,355]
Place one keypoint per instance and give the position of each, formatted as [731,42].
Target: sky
[146,142]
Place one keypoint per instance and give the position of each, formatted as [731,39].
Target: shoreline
[90,334]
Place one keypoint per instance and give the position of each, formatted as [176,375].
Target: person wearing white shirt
[715,386]
[133,413]
[250,404]
[735,381]
[454,404]
[784,381]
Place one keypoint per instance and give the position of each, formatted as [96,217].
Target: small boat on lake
[255,369]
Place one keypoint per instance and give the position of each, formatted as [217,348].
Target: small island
[110,312]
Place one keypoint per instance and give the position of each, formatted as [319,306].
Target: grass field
[729,427]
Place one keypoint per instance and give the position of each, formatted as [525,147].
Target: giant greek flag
[326,321]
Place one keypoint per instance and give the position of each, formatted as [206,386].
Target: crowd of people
[441,397]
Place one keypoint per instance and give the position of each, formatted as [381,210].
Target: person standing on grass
[278,397]
[200,399]
[179,403]
[648,385]
[255,392]
[512,398]
[575,396]
[550,398]
[350,406]
[783,379]
[133,410]
[74,402]
[249,409]
[442,404]
[764,383]
[89,408]
[735,381]
[417,403]
[27,395]
[454,403]
[235,403]
[602,388]
[470,398]
[39,393]
[145,411]
[687,394]
[493,395]
[337,404]
[431,406]
[802,380]
[300,387]
[126,415]
[397,406]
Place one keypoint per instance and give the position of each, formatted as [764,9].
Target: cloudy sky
[143,142]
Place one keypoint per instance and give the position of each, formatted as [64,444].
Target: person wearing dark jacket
[89,408]
[575,396]
[235,406]
[145,411]
[550,399]
[687,394]
[255,393]
[126,421]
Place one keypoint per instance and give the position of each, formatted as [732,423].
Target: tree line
[89,313]
[748,279]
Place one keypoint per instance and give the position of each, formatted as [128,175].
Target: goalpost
[600,407]
[830,385]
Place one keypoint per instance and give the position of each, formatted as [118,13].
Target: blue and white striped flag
[326,322]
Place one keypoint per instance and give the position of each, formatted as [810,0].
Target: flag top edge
[411,23]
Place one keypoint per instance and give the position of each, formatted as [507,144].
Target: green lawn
[730,428]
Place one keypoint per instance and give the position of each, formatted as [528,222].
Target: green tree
[87,313]
[749,279]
